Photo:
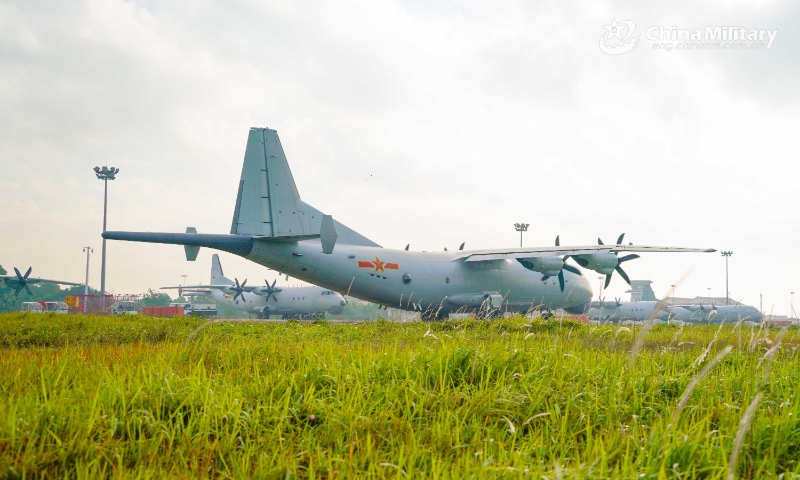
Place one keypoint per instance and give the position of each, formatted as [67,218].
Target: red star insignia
[378,265]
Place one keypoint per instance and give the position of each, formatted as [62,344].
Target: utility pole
[521,227]
[673,293]
[88,250]
[727,292]
[600,292]
[105,174]
[791,303]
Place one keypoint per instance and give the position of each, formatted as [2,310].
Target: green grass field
[136,397]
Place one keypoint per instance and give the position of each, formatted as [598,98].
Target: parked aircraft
[273,227]
[22,281]
[729,314]
[294,302]
[617,311]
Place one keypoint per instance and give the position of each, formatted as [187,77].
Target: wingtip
[711,250]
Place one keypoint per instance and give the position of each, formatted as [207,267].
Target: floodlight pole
[88,250]
[105,215]
[521,227]
[727,292]
[105,174]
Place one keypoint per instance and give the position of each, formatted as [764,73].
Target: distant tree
[155,299]
[2,270]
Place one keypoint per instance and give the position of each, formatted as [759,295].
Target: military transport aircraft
[273,227]
[294,302]
[729,314]
[617,311]
[22,281]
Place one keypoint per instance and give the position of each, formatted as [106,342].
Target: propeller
[462,246]
[618,269]
[239,289]
[270,290]
[566,267]
[22,281]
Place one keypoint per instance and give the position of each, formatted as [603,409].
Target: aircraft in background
[22,281]
[290,302]
[273,227]
[730,314]
[617,311]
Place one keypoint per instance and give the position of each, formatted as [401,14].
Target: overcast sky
[429,123]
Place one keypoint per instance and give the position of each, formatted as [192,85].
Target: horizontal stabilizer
[236,244]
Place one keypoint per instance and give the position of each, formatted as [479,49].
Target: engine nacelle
[547,265]
[603,262]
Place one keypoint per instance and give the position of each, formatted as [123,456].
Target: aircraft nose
[343,303]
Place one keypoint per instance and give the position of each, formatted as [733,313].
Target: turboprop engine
[606,262]
[549,267]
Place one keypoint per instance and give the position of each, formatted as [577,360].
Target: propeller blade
[462,246]
[28,272]
[600,242]
[581,261]
[558,240]
[561,279]
[19,287]
[445,249]
[408,246]
[27,289]
[623,274]
[19,275]
[628,257]
[572,269]
[274,282]
[244,283]
[619,240]
[545,277]
[608,280]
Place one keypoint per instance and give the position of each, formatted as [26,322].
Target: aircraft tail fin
[217,277]
[268,204]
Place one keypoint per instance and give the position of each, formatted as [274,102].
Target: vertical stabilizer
[641,291]
[217,277]
[267,201]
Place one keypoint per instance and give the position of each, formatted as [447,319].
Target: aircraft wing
[196,287]
[32,280]
[495,254]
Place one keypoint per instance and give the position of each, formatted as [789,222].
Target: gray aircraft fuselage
[438,279]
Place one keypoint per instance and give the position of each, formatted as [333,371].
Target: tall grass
[507,398]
